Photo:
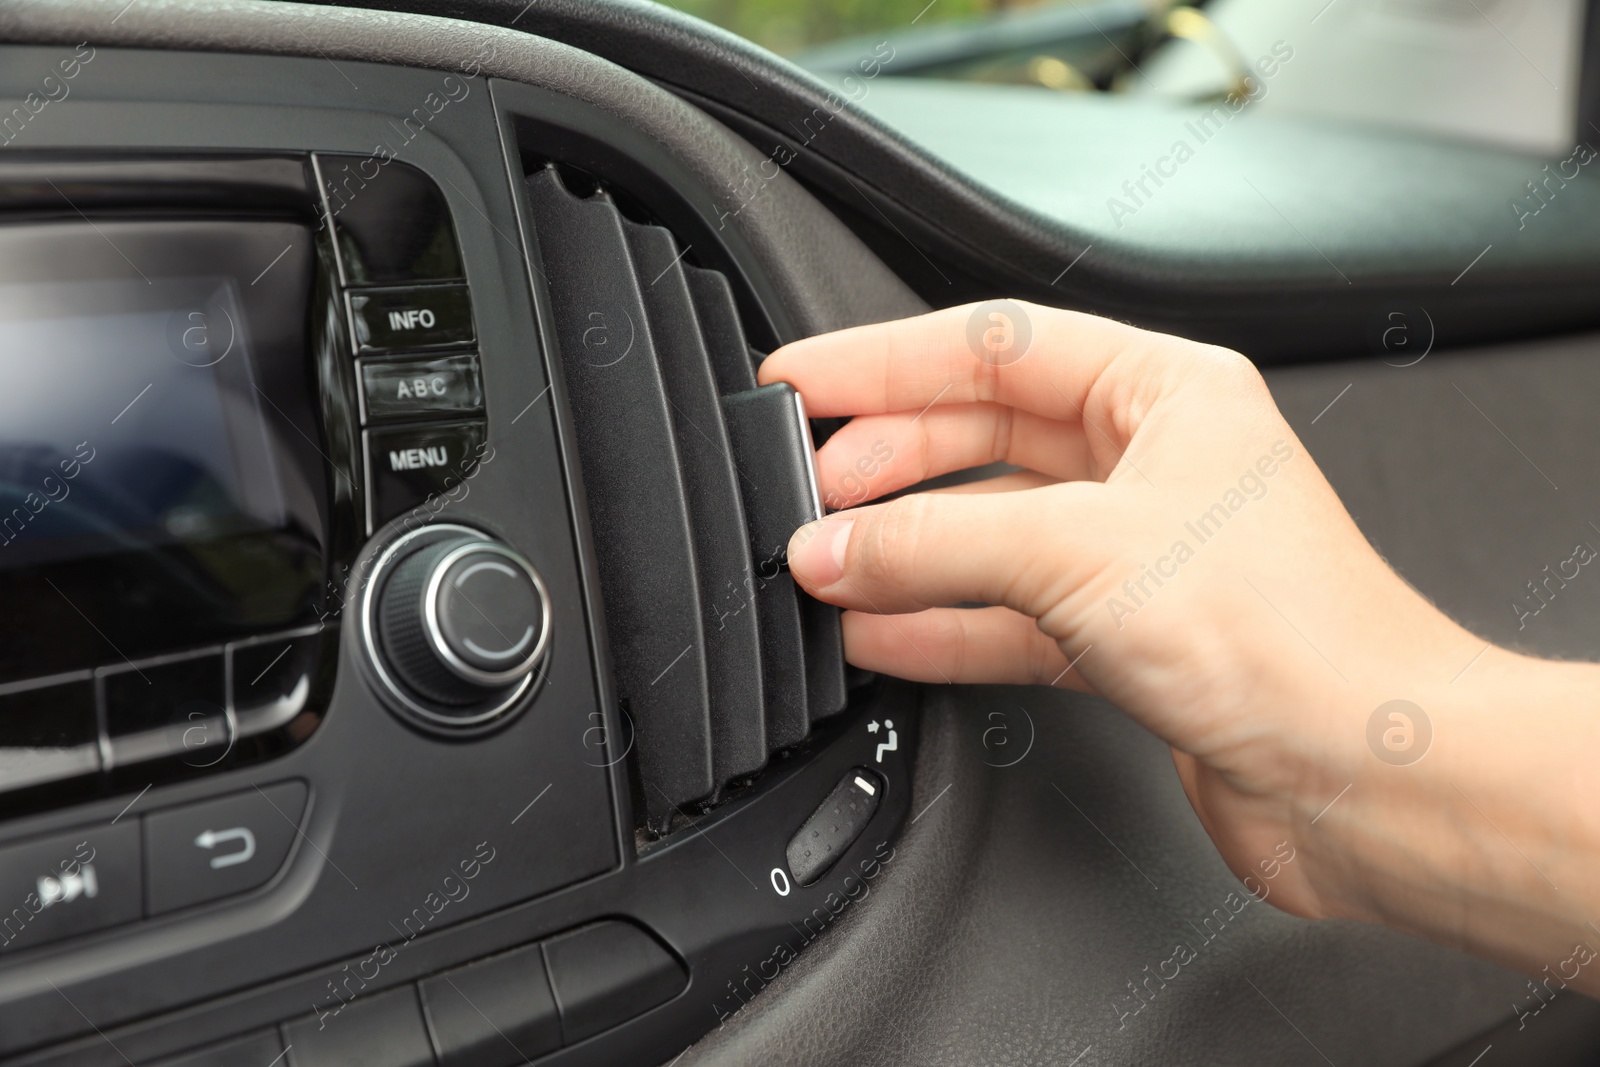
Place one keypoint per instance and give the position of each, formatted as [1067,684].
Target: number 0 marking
[780,882]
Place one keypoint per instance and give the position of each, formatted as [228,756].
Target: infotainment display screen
[139,423]
[162,485]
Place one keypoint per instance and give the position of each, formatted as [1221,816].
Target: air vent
[694,478]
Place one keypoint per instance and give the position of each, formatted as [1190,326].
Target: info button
[410,317]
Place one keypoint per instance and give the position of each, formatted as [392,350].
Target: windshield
[1342,140]
[1502,72]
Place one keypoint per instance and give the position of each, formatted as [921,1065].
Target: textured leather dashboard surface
[1278,297]
[717,65]
[1025,898]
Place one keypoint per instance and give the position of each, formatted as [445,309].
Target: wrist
[1482,834]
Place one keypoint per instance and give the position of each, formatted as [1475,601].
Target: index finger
[1045,360]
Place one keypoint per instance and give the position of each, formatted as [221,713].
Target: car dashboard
[399,663]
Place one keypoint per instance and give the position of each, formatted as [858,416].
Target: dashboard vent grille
[689,471]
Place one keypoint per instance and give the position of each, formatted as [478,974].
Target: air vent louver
[693,478]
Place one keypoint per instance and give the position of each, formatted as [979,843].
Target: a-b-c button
[220,847]
[412,387]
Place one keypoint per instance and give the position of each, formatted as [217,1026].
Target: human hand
[1173,543]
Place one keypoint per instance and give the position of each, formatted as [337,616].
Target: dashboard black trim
[272,104]
[226,100]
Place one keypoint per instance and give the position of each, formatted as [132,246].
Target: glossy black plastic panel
[408,465]
[215,182]
[166,446]
[410,317]
[416,388]
[272,680]
[154,711]
[48,734]
[770,434]
[392,222]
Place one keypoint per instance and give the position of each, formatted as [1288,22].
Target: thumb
[936,549]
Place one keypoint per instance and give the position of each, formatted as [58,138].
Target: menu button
[423,466]
[411,459]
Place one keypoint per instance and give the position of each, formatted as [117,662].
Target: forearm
[1181,554]
[1489,841]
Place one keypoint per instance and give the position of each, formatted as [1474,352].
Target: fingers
[912,363]
[984,645]
[934,550]
[1015,482]
[877,454]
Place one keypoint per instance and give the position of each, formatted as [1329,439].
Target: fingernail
[816,551]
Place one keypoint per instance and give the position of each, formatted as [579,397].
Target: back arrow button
[212,838]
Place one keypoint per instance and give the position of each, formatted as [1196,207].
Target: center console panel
[322,754]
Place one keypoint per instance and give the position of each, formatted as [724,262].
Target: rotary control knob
[457,624]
